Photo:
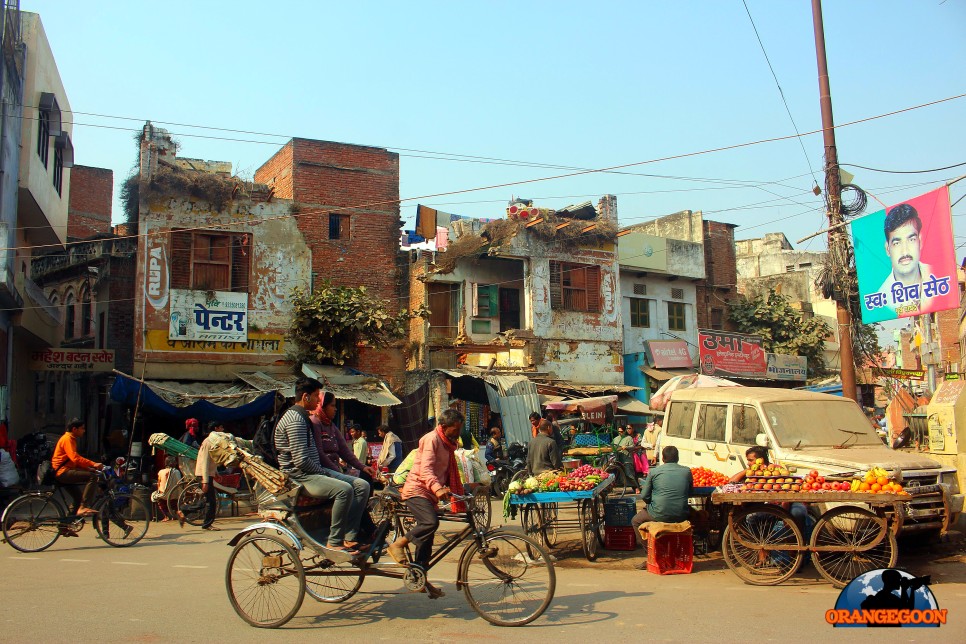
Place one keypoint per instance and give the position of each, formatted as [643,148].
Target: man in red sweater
[433,476]
[73,470]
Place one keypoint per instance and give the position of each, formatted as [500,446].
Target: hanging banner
[727,354]
[208,315]
[905,259]
[669,354]
[785,367]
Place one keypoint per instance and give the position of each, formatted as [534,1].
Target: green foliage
[329,324]
[782,328]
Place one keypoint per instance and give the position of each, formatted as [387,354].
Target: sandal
[352,552]
[433,592]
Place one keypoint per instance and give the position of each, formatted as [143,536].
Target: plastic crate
[619,538]
[619,512]
[591,440]
[670,554]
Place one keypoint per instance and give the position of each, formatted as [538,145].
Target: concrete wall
[41,75]
[658,295]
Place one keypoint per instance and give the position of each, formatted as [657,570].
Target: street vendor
[666,492]
[543,454]
[798,510]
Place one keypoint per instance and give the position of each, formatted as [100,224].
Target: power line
[948,167]
[780,91]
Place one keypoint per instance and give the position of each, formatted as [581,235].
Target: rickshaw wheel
[265,581]
[852,528]
[331,582]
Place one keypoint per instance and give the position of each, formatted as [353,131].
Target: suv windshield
[818,423]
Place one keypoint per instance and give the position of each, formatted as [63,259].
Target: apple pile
[771,477]
[703,477]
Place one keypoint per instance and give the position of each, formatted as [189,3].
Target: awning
[593,409]
[665,374]
[634,407]
[202,400]
[366,389]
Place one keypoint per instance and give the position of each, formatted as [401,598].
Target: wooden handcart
[540,516]
[764,546]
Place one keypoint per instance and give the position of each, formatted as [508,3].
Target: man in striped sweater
[299,458]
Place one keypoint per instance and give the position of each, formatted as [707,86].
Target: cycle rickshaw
[507,578]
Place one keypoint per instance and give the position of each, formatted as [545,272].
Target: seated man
[433,476]
[299,458]
[797,510]
[543,454]
[73,470]
[494,446]
[666,491]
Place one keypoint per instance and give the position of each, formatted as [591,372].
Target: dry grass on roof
[173,181]
[499,231]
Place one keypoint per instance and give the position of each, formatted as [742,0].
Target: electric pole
[838,241]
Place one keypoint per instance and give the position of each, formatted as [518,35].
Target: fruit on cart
[704,477]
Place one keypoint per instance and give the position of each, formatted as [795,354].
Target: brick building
[346,201]
[89,207]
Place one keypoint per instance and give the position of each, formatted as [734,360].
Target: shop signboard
[784,367]
[735,355]
[90,360]
[208,316]
[905,374]
[669,354]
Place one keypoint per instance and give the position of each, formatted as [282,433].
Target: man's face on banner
[903,250]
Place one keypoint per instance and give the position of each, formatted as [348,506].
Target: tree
[782,328]
[329,324]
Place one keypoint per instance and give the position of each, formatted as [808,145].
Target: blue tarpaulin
[236,403]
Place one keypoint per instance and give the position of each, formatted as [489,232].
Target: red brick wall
[719,288]
[362,182]
[89,208]
[947,322]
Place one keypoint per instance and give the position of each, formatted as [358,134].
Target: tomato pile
[703,477]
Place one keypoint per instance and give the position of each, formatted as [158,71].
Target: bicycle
[35,520]
[507,578]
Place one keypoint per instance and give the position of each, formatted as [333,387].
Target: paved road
[170,587]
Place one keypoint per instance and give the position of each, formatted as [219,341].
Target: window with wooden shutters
[339,227]
[676,320]
[575,287]
[640,312]
[210,261]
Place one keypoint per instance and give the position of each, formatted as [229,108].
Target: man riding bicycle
[73,470]
[433,477]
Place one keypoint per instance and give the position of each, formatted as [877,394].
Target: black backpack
[264,441]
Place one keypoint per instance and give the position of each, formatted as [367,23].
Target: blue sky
[558,83]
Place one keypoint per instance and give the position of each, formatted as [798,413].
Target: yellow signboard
[258,343]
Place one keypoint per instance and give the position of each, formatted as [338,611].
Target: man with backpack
[298,457]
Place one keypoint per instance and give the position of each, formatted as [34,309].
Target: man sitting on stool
[666,491]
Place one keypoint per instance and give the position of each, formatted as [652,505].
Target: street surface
[170,587]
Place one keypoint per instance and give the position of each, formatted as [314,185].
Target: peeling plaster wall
[280,261]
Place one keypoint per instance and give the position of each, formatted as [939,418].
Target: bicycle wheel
[265,581]
[192,504]
[330,582]
[122,519]
[852,528]
[482,508]
[32,522]
[757,561]
[531,518]
[504,585]
[588,530]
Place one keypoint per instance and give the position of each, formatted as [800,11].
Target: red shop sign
[731,354]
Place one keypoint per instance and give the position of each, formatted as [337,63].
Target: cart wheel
[550,520]
[510,581]
[588,530]
[192,504]
[853,529]
[532,522]
[265,581]
[330,582]
[32,522]
[748,546]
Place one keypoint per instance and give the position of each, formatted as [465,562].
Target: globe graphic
[870,583]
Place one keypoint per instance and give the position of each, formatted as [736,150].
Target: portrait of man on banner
[905,259]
